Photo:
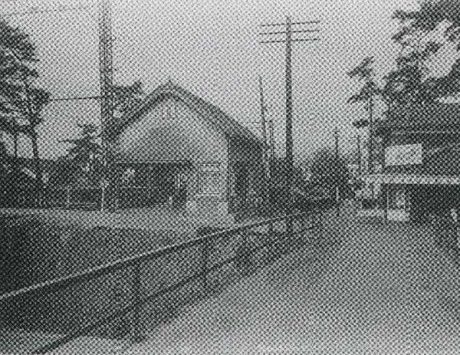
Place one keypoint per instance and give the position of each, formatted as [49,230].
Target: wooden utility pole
[358,146]
[109,183]
[289,143]
[289,168]
[271,139]
[370,168]
[264,124]
[267,177]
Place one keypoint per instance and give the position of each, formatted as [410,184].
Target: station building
[420,159]
[176,148]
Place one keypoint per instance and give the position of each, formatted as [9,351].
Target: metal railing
[243,247]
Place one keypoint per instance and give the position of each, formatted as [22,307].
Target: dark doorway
[241,183]
[433,199]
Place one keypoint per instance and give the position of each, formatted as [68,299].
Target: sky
[211,47]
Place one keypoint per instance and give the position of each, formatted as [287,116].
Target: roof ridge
[221,118]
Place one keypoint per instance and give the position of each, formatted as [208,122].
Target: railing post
[319,221]
[246,254]
[273,243]
[204,263]
[136,299]
[289,233]
[67,200]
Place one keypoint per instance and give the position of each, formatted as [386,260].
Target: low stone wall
[56,251]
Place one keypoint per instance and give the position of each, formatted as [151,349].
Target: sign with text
[409,154]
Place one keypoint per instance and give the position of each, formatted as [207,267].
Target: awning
[412,179]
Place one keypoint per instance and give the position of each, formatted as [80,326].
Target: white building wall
[171,131]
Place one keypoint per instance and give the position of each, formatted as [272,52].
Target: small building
[420,156]
[176,148]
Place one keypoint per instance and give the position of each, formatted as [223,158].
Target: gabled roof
[422,117]
[215,115]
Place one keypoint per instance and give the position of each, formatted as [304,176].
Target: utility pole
[109,183]
[288,31]
[337,189]
[267,184]
[271,140]
[262,114]
[289,143]
[358,146]
[371,138]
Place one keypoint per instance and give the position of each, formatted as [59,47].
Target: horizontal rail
[136,262]
[122,312]
[102,270]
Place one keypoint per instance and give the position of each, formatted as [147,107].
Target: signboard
[412,179]
[409,154]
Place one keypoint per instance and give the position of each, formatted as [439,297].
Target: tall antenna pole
[108,198]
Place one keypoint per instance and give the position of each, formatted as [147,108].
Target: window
[209,179]
[397,198]
[128,176]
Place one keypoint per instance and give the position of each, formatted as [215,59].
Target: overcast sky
[211,48]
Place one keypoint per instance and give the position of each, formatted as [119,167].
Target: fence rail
[211,253]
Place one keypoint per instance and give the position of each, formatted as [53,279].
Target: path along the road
[381,289]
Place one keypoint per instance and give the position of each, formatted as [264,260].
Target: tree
[411,81]
[4,159]
[127,97]
[84,157]
[329,171]
[21,101]
[278,195]
[364,72]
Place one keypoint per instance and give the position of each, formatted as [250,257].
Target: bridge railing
[125,297]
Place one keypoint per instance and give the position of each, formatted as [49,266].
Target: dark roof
[46,164]
[214,114]
[419,117]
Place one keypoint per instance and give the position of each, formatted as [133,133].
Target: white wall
[172,131]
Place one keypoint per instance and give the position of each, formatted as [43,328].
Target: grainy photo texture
[229,177]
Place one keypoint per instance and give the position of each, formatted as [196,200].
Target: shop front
[410,197]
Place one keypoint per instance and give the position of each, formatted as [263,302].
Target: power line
[36,11]
[76,98]
[293,31]
[58,99]
[311,22]
[292,40]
